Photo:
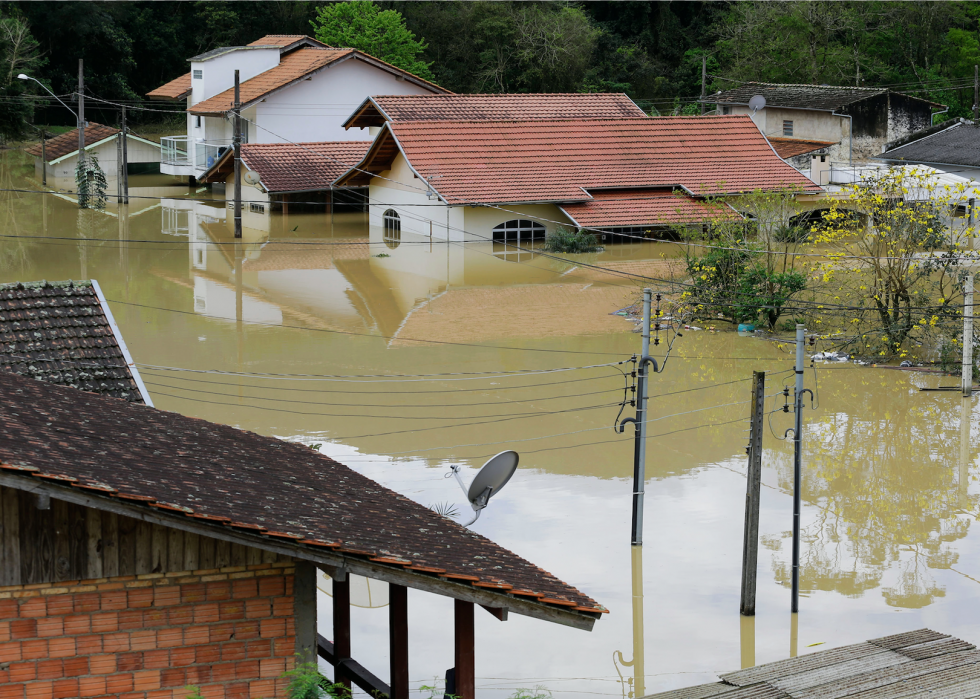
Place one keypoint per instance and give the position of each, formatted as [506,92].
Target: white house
[518,180]
[61,153]
[293,89]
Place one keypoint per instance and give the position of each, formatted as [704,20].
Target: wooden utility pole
[398,640]
[125,158]
[704,81]
[81,113]
[750,544]
[465,669]
[238,159]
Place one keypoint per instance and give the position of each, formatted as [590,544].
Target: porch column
[341,628]
[398,639]
[465,674]
[304,611]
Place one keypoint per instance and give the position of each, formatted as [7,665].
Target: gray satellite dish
[491,477]
[756,103]
[251,177]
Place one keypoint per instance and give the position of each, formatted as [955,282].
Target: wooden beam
[496,612]
[362,677]
[358,566]
[341,629]
[398,640]
[465,668]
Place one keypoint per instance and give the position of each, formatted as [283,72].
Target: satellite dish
[491,477]
[756,103]
[251,177]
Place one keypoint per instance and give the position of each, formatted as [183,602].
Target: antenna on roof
[756,103]
[491,477]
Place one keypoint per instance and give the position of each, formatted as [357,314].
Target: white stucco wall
[219,72]
[136,152]
[314,109]
[807,124]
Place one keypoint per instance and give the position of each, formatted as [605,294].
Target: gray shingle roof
[954,144]
[823,97]
[59,332]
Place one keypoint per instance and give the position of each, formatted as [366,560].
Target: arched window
[518,231]
[392,229]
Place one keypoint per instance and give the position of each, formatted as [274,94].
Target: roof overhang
[18,478]
[369,113]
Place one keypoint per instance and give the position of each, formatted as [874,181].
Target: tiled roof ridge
[380,556]
[537,123]
[811,85]
[44,284]
[502,94]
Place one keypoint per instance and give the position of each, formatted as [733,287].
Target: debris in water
[830,357]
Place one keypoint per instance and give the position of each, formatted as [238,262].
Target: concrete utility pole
[797,465]
[750,545]
[81,113]
[125,158]
[238,159]
[44,159]
[640,449]
[966,380]
[704,81]
[976,93]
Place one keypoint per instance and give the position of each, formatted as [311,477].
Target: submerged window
[256,208]
[392,229]
[787,127]
[519,231]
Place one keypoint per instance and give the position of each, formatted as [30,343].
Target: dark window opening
[392,228]
[787,127]
[518,231]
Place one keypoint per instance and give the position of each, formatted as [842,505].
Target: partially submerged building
[952,146]
[859,120]
[142,550]
[518,180]
[293,89]
[60,153]
[64,333]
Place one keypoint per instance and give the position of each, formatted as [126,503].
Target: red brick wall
[229,631]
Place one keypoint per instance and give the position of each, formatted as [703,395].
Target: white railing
[173,150]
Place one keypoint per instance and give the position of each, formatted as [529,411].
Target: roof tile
[822,97]
[300,167]
[66,143]
[644,207]
[176,89]
[791,147]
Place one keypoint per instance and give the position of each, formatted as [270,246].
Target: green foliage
[362,25]
[91,183]
[19,53]
[571,241]
[536,693]
[195,692]
[306,682]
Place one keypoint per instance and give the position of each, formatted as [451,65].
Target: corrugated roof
[67,143]
[790,147]
[60,333]
[292,67]
[644,207]
[821,97]
[554,161]
[957,144]
[374,111]
[176,89]
[235,479]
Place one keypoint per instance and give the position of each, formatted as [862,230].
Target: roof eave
[316,555]
[117,333]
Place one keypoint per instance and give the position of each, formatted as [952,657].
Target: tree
[19,53]
[362,25]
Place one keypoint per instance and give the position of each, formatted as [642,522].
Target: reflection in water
[300,316]
[794,634]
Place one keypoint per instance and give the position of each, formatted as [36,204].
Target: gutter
[934,114]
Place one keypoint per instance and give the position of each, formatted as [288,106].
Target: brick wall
[229,631]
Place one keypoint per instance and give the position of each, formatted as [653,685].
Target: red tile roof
[286,40]
[790,147]
[292,67]
[554,161]
[236,479]
[176,89]
[66,143]
[302,167]
[374,111]
[643,207]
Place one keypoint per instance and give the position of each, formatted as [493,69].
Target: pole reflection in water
[239,323]
[963,481]
[794,634]
[747,634]
[635,686]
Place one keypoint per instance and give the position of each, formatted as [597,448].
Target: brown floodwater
[400,360]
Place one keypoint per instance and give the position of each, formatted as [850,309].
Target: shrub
[571,240]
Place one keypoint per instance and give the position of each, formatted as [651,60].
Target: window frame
[787,128]
[391,224]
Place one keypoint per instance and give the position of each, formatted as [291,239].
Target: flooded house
[293,89]
[516,181]
[189,555]
[951,147]
[852,123]
[59,155]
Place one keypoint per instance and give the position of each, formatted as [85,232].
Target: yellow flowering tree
[893,245]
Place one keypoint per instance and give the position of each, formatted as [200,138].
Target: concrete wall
[314,109]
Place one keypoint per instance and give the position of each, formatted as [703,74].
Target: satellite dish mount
[491,477]
[756,103]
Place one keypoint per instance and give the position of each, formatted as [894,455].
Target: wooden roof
[906,665]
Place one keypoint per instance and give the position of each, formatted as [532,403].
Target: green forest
[650,50]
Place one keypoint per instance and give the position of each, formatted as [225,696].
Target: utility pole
[119,169]
[44,159]
[704,81]
[640,447]
[81,113]
[750,544]
[238,159]
[125,158]
[976,93]
[966,380]
[797,465]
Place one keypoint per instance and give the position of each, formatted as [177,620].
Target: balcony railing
[206,153]
[173,150]
[182,151]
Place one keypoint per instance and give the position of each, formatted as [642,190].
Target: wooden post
[341,628]
[750,542]
[465,670]
[304,611]
[398,640]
